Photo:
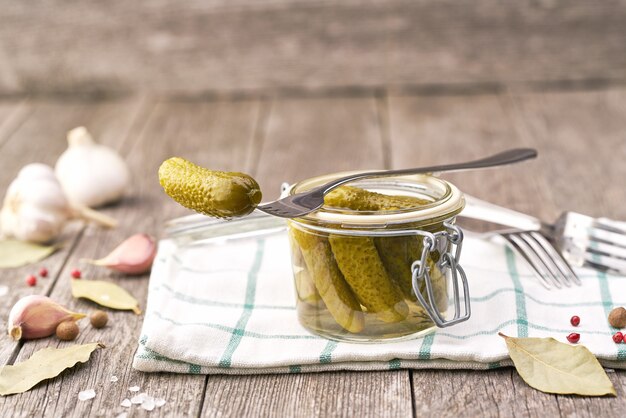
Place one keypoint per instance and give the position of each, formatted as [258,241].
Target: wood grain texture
[582,140]
[304,138]
[41,138]
[369,394]
[427,130]
[12,114]
[218,134]
[310,137]
[494,393]
[223,47]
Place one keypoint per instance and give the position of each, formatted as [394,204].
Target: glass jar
[368,275]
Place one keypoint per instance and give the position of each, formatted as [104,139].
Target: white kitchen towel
[227,306]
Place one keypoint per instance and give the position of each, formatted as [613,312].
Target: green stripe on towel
[520,302]
[232,330]
[296,368]
[239,331]
[209,302]
[327,352]
[605,294]
[424,353]
[395,364]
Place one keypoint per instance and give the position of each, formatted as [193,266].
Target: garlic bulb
[91,174]
[35,208]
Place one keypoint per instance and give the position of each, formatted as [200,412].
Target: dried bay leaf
[106,294]
[43,364]
[15,253]
[554,367]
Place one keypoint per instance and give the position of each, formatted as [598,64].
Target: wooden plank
[217,135]
[306,138]
[364,394]
[494,393]
[226,47]
[41,138]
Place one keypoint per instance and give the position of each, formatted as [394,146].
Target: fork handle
[485,211]
[506,157]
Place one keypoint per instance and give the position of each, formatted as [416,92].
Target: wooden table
[581,138]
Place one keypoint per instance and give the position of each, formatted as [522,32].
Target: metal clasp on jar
[450,242]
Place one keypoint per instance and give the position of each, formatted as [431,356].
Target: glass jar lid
[443,201]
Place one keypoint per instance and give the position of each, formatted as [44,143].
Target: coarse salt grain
[86,394]
[122,415]
[159,402]
[139,398]
[4,290]
[134,388]
[148,403]
[126,403]
[114,379]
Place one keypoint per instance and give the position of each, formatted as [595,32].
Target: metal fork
[581,240]
[300,204]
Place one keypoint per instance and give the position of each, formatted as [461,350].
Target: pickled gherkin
[397,255]
[440,290]
[214,193]
[354,198]
[360,264]
[305,287]
[328,279]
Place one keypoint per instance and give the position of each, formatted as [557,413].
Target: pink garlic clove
[37,316]
[133,256]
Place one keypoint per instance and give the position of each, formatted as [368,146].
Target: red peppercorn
[75,273]
[618,337]
[575,320]
[43,272]
[573,338]
[31,280]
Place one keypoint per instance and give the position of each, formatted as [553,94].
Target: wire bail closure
[420,272]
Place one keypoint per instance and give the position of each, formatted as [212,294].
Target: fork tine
[530,256]
[601,262]
[610,225]
[561,264]
[548,261]
[603,248]
[608,236]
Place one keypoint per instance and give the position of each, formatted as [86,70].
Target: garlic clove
[133,256]
[37,316]
[91,174]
